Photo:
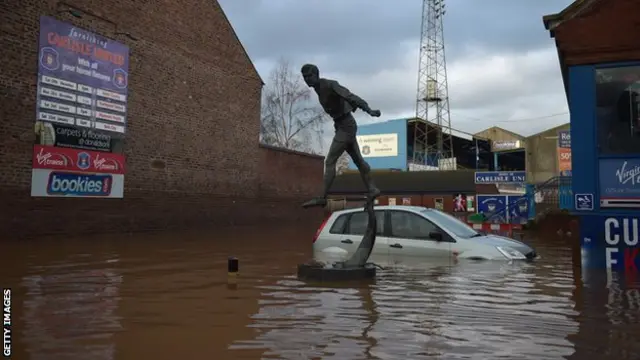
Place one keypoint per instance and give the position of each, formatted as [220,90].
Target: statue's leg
[353,149]
[331,160]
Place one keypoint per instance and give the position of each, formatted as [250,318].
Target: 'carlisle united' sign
[500,177]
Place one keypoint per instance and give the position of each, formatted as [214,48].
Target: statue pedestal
[319,273]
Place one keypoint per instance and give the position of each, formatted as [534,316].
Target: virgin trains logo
[48,158]
[102,163]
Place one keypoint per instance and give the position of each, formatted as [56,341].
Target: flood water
[169,297]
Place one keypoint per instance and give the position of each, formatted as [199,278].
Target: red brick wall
[194,104]
[606,32]
[286,173]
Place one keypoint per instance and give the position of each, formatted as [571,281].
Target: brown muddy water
[147,297]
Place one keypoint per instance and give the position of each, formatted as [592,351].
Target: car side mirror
[435,236]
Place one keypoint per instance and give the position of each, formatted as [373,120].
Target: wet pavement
[169,297]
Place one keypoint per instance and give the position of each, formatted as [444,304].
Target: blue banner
[494,208]
[500,177]
[619,178]
[503,209]
[82,78]
[564,139]
[518,209]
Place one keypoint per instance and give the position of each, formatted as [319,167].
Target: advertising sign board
[619,182]
[503,145]
[74,137]
[81,113]
[83,77]
[56,158]
[564,161]
[564,139]
[379,145]
[61,183]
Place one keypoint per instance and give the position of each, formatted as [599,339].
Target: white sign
[448,164]
[61,183]
[379,145]
[420,167]
[584,202]
[506,145]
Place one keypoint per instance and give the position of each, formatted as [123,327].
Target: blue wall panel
[583,131]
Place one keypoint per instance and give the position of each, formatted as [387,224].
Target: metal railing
[553,194]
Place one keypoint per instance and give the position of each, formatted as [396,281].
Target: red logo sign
[51,157]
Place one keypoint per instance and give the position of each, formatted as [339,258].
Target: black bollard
[232,273]
[232,266]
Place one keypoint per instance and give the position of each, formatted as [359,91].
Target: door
[354,230]
[408,238]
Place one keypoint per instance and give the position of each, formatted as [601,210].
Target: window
[410,226]
[338,225]
[451,223]
[359,220]
[617,110]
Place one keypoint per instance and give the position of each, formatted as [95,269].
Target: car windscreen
[450,223]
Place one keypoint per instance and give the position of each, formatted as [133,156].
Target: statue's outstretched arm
[350,97]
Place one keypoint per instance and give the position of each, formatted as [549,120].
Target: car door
[354,229]
[408,237]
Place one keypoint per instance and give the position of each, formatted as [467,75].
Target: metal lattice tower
[433,141]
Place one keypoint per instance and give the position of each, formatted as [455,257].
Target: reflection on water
[482,310]
[72,306]
[166,297]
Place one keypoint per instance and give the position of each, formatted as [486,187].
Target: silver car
[412,232]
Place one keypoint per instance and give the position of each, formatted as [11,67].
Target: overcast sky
[502,65]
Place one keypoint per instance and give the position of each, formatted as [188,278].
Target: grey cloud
[341,35]
[500,25]
[360,35]
[355,41]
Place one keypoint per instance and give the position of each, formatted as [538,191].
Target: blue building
[390,145]
[600,64]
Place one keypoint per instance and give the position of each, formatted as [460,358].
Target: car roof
[385,207]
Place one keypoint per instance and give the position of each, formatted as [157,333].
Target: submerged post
[233,266]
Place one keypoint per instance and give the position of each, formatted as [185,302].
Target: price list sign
[81,112]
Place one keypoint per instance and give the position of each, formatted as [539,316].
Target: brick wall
[287,173]
[606,32]
[193,109]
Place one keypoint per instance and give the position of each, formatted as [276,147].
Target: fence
[553,194]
